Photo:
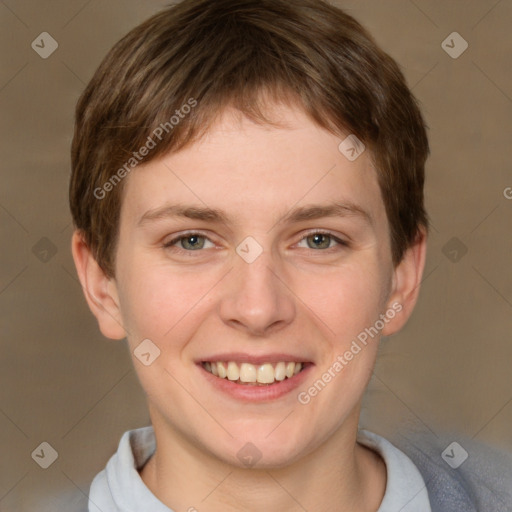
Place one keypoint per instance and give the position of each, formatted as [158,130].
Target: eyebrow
[299,214]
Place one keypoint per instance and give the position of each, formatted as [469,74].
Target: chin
[262,452]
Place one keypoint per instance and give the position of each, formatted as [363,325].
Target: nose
[257,300]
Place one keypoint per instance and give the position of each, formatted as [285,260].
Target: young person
[247,194]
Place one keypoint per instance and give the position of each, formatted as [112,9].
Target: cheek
[349,303]
[346,300]
[156,302]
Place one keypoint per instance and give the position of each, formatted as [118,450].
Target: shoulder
[405,487]
[100,497]
[461,474]
[119,486]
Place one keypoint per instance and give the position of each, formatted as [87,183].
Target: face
[253,249]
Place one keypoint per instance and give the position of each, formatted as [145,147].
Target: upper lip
[240,357]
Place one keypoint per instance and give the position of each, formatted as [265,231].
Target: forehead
[255,171]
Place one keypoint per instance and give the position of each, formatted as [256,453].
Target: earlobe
[406,284]
[99,290]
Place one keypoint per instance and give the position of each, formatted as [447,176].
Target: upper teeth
[245,372]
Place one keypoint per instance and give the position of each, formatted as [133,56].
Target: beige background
[63,383]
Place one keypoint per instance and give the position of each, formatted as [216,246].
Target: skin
[294,298]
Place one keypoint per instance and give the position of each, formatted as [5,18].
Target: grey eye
[192,242]
[319,241]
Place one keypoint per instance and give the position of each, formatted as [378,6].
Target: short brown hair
[234,53]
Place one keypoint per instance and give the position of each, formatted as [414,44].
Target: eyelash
[171,243]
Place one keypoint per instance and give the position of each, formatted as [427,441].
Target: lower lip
[265,393]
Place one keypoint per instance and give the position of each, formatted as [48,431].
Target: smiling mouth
[264,374]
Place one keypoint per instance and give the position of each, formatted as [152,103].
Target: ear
[406,284]
[99,290]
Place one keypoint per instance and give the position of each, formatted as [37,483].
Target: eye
[189,242]
[322,240]
[193,242]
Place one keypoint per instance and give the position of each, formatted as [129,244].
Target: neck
[340,475]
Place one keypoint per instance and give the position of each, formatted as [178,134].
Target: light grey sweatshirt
[119,487]
[423,475]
